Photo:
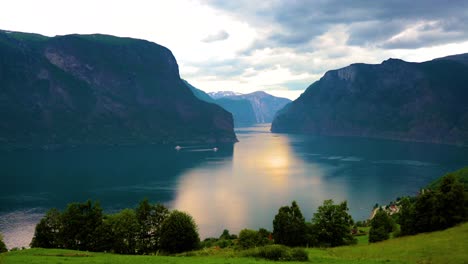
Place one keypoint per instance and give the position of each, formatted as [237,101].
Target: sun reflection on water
[246,192]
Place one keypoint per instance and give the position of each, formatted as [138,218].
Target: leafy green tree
[179,233]
[105,236]
[452,202]
[124,228]
[425,212]
[381,227]
[289,227]
[333,224]
[48,231]
[150,218]
[407,219]
[80,225]
[3,247]
[225,235]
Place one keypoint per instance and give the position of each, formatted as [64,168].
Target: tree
[3,247]
[179,233]
[289,227]
[225,235]
[381,227]
[48,231]
[407,219]
[425,212]
[80,222]
[124,229]
[452,202]
[150,218]
[333,224]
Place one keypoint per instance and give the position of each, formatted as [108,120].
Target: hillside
[393,100]
[461,174]
[98,89]
[448,246]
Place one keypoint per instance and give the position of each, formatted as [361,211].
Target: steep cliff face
[98,89]
[394,100]
[264,105]
[252,108]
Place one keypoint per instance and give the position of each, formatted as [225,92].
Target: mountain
[241,109]
[220,94]
[199,93]
[399,100]
[264,106]
[98,89]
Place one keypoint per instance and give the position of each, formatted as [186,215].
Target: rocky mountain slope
[394,100]
[98,89]
[264,105]
[256,107]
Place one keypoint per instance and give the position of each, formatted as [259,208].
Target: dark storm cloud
[221,35]
[368,23]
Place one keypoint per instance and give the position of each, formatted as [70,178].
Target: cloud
[220,35]
[370,23]
[273,45]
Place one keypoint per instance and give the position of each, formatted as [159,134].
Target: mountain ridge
[98,89]
[393,100]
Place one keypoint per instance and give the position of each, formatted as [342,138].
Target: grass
[449,246]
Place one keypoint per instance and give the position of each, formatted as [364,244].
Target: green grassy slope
[447,246]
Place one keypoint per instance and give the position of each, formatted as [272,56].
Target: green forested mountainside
[98,89]
[461,174]
[395,100]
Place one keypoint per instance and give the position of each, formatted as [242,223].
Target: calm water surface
[240,186]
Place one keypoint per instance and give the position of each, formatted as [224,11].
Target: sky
[280,47]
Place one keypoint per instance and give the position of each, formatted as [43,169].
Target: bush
[299,254]
[278,252]
[248,238]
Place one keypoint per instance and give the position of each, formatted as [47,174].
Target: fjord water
[240,186]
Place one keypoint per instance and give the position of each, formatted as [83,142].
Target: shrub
[299,254]
[278,252]
[248,238]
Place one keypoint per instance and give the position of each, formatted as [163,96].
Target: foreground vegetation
[448,246]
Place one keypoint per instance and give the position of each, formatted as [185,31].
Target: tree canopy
[289,227]
[333,224]
[179,233]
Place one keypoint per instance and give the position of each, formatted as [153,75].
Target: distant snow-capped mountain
[221,94]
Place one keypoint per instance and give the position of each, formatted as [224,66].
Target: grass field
[449,246]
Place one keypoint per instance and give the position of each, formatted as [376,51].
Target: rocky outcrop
[99,89]
[393,100]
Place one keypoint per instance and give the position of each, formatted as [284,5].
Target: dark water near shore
[240,186]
